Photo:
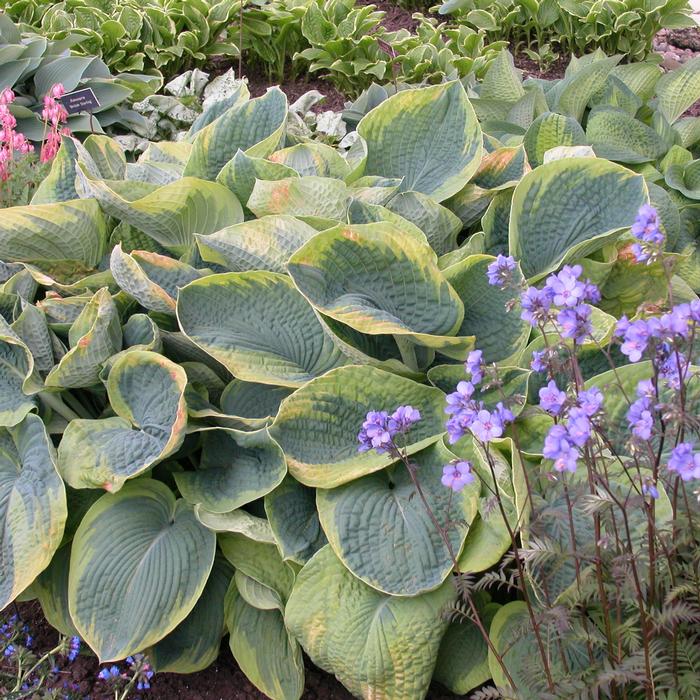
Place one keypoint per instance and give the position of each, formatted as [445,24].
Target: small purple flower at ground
[402,419]
[538,363]
[558,448]
[9,650]
[73,648]
[375,432]
[575,322]
[107,674]
[684,462]
[487,426]
[552,399]
[590,401]
[473,366]
[500,272]
[649,489]
[457,475]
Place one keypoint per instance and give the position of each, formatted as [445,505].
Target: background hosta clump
[191,341]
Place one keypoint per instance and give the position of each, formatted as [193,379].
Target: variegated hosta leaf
[33,329]
[259,244]
[398,550]
[152,279]
[308,196]
[360,212]
[334,406]
[94,337]
[256,126]
[263,648]
[18,379]
[74,231]
[313,159]
[194,644]
[500,333]
[548,131]
[59,184]
[470,203]
[291,511]
[430,137]
[139,563]
[170,214]
[679,89]
[377,280]
[502,168]
[254,405]
[51,589]
[32,505]
[393,648]
[241,172]
[235,468]
[570,208]
[146,391]
[440,225]
[258,326]
[107,155]
[685,179]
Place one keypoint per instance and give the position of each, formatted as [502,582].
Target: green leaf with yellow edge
[550,130]
[398,550]
[334,406]
[313,159]
[75,230]
[393,649]
[677,90]
[93,337]
[570,208]
[146,391]
[430,137]
[323,197]
[255,126]
[502,168]
[139,563]
[259,244]
[51,588]
[258,326]
[107,155]
[18,377]
[33,507]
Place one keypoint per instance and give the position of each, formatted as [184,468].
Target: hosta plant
[192,341]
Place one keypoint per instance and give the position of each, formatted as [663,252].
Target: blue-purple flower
[575,322]
[379,428]
[538,362]
[552,399]
[564,288]
[73,648]
[649,489]
[685,462]
[500,271]
[402,419]
[535,304]
[487,426]
[457,475]
[590,401]
[473,366]
[558,447]
[646,228]
[108,674]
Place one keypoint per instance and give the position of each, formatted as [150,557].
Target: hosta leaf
[173,213]
[258,326]
[335,407]
[548,131]
[500,333]
[18,379]
[107,155]
[32,328]
[51,588]
[502,168]
[395,640]
[260,244]
[616,135]
[146,391]
[503,81]
[308,196]
[291,510]
[679,89]
[398,549]
[59,184]
[263,648]
[439,224]
[235,468]
[32,505]
[139,563]
[430,137]
[94,337]
[363,213]
[256,126]
[75,230]
[377,280]
[685,179]
[152,279]
[313,159]
[640,78]
[568,208]
[194,644]
[251,403]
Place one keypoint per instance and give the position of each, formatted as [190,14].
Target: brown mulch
[223,680]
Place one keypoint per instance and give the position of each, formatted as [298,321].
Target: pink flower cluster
[10,140]
[53,114]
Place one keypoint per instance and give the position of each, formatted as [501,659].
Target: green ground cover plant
[191,342]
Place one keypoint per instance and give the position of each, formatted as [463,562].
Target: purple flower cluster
[144,672]
[467,414]
[73,648]
[379,428]
[646,229]
[564,298]
[564,439]
[109,674]
[685,461]
[500,271]
[456,475]
[639,416]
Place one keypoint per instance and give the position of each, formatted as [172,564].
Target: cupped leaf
[256,126]
[313,159]
[33,507]
[377,280]
[258,326]
[194,644]
[18,378]
[75,231]
[394,645]
[152,279]
[398,549]
[139,563]
[317,426]
[252,404]
[235,468]
[550,130]
[568,208]
[146,391]
[679,89]
[260,244]
[430,137]
[323,197]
